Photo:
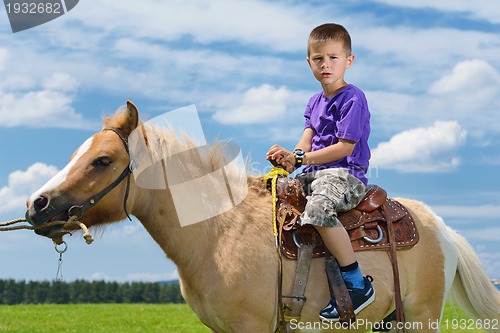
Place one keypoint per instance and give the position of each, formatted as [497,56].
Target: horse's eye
[102,162]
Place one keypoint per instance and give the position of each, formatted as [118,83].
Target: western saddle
[377,223]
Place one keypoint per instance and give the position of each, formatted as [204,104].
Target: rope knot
[274,174]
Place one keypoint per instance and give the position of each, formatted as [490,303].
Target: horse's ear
[131,118]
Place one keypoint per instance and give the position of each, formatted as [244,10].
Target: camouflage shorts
[331,191]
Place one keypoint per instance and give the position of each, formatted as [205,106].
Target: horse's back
[424,282]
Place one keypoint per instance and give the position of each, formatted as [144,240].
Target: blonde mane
[164,143]
[162,157]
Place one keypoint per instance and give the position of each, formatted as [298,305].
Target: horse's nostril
[40,203]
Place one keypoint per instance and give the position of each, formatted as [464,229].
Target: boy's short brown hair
[330,31]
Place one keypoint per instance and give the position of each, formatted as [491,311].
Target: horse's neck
[156,211]
[193,248]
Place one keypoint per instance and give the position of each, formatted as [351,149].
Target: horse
[228,264]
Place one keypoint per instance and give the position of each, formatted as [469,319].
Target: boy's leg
[336,191]
[360,289]
[338,243]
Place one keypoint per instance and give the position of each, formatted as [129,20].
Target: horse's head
[93,184]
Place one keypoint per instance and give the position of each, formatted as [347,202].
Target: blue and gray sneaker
[360,298]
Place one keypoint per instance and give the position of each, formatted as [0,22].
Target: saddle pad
[359,225]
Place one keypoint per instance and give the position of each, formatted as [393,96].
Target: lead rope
[72,221]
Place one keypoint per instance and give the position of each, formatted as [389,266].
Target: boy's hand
[282,157]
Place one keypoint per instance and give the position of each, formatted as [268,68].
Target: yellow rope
[290,318]
[275,172]
[273,175]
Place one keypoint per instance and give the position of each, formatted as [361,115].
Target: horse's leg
[424,295]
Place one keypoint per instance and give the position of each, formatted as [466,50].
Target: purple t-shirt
[344,116]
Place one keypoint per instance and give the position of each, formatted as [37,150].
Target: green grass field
[100,318]
[128,318]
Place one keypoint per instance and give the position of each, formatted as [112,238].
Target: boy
[334,148]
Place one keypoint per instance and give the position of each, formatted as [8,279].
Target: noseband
[90,202]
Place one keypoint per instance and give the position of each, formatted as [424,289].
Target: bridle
[77,211]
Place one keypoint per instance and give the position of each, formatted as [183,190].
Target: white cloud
[22,184]
[423,149]
[258,105]
[250,22]
[490,259]
[60,82]
[468,77]
[17,82]
[155,67]
[151,60]
[214,71]
[4,53]
[483,234]
[50,106]
[144,277]
[153,277]
[486,211]
[416,48]
[42,108]
[467,94]
[480,9]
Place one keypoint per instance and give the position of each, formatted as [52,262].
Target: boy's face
[328,62]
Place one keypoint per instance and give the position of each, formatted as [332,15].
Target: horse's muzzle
[43,210]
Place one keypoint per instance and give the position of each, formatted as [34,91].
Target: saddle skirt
[366,224]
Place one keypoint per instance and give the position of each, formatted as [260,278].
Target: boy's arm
[285,157]
[325,155]
[330,154]
[305,142]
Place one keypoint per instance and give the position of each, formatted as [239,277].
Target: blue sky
[430,70]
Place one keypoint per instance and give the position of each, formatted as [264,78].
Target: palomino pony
[228,264]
